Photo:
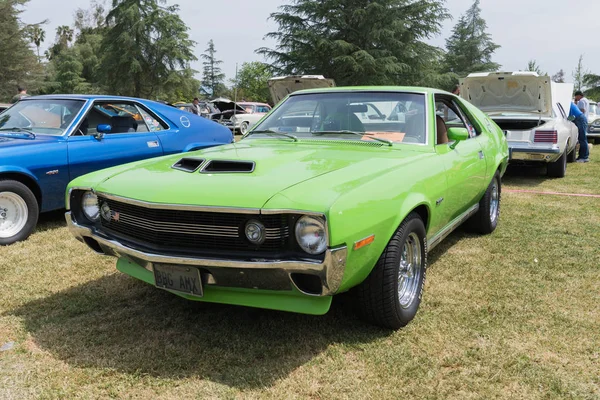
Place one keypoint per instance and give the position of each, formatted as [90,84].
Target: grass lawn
[512,315]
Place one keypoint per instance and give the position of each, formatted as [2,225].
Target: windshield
[397,117]
[593,109]
[41,116]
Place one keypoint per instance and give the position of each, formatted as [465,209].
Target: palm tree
[65,35]
[37,35]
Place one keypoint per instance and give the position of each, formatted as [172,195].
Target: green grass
[512,315]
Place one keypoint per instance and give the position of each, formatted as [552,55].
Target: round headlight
[311,234]
[255,232]
[106,212]
[89,204]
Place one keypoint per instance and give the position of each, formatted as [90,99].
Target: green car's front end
[301,209]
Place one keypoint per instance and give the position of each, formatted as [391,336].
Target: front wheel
[244,128]
[18,212]
[390,296]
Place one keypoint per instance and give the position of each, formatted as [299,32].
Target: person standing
[22,93]
[195,108]
[581,121]
[456,90]
[582,103]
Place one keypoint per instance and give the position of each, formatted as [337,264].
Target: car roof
[342,89]
[83,97]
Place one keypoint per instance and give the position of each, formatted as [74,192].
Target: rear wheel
[18,212]
[572,157]
[390,296]
[558,168]
[486,219]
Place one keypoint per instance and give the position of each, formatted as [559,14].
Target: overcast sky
[553,32]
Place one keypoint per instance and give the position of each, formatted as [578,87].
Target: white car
[594,122]
[253,113]
[532,110]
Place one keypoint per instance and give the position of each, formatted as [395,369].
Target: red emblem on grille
[115,216]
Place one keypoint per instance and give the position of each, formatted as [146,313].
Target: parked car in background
[4,106]
[47,141]
[594,123]
[282,86]
[312,202]
[532,110]
[253,112]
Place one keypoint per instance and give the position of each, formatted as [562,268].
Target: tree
[559,77]
[355,42]
[592,82]
[533,66]
[37,36]
[252,82]
[212,77]
[470,48]
[18,65]
[579,74]
[146,44]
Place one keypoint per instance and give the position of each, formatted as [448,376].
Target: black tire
[558,168]
[378,297]
[486,218]
[572,157]
[14,188]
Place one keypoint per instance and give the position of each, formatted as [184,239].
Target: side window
[468,124]
[152,124]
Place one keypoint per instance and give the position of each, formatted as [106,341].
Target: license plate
[181,279]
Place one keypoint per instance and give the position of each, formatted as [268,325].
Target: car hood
[519,92]
[282,86]
[223,105]
[22,140]
[277,168]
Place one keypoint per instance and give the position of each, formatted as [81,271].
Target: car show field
[511,315]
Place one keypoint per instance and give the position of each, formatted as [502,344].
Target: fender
[18,170]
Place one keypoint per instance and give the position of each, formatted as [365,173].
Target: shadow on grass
[525,176]
[51,220]
[119,323]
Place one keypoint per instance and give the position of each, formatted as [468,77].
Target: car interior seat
[123,124]
[343,119]
[441,129]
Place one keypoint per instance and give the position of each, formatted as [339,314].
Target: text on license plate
[181,279]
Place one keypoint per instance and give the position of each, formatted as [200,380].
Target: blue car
[47,141]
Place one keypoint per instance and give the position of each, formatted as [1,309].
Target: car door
[465,164]
[130,138]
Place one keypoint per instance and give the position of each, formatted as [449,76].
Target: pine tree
[212,77]
[356,42]
[146,44]
[579,74]
[18,65]
[534,67]
[559,77]
[470,48]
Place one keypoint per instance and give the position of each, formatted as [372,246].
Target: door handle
[481,156]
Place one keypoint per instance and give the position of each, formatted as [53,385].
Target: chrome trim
[82,188]
[455,223]
[330,271]
[208,162]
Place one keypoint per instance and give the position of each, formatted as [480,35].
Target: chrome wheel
[244,128]
[409,274]
[13,214]
[494,201]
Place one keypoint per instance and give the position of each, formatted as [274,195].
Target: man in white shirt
[582,103]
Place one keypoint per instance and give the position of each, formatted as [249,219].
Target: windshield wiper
[19,130]
[269,132]
[361,134]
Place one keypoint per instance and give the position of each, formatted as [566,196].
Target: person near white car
[582,103]
[581,122]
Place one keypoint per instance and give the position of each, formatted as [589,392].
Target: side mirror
[457,135]
[102,130]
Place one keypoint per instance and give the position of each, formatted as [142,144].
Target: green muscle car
[335,190]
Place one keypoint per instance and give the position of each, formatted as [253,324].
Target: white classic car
[253,113]
[594,122]
[532,110]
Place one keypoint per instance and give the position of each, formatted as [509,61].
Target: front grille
[196,232]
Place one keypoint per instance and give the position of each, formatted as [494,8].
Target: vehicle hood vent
[188,164]
[228,166]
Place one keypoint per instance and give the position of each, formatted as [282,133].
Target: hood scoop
[188,164]
[228,166]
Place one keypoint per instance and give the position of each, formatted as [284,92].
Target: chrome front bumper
[277,274]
